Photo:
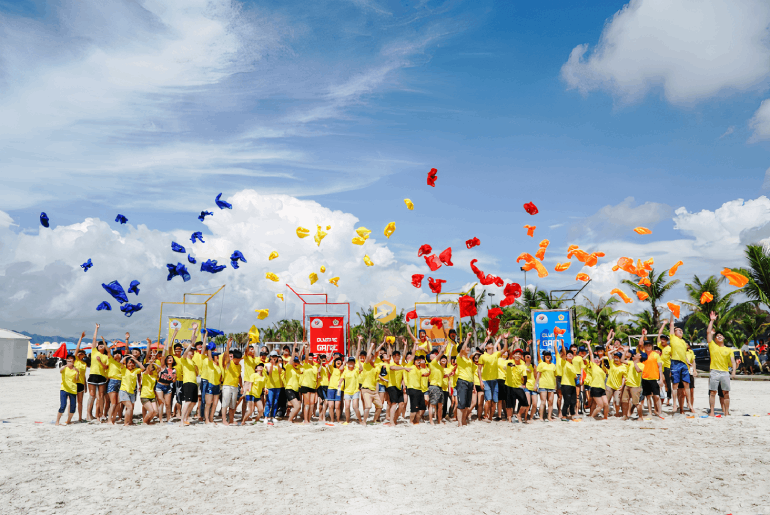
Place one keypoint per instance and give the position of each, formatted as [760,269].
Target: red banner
[326,334]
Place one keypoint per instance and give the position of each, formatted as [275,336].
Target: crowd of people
[388,383]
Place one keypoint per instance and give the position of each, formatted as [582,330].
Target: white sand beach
[672,466]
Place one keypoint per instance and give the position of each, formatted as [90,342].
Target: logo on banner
[335,322]
[561,318]
[541,319]
[317,323]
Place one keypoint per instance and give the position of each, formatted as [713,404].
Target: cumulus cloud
[614,221]
[50,293]
[760,122]
[692,49]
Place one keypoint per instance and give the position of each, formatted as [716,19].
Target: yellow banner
[184,324]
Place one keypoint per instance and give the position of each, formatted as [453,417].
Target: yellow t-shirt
[568,372]
[530,377]
[334,377]
[597,376]
[206,369]
[436,377]
[178,368]
[615,379]
[445,380]
[502,368]
[466,370]
[489,365]
[578,364]
[324,376]
[412,378]
[369,376]
[128,381]
[249,363]
[395,376]
[690,357]
[96,366]
[148,384]
[68,380]
[232,373]
[215,372]
[424,378]
[257,384]
[309,375]
[80,365]
[197,358]
[423,348]
[720,357]
[273,379]
[514,373]
[678,349]
[547,375]
[188,370]
[115,369]
[665,355]
[634,377]
[350,379]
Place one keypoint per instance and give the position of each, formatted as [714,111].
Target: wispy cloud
[729,131]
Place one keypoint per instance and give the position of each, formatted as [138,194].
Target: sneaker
[265,420]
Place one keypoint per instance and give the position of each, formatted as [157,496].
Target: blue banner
[544,321]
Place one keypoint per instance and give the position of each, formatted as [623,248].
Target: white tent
[13,352]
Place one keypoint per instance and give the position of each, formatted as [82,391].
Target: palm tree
[368,325]
[659,286]
[599,317]
[729,315]
[644,321]
[758,273]
[754,322]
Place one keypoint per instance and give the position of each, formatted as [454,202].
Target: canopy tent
[13,352]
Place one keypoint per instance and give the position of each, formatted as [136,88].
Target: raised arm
[671,325]
[660,331]
[226,355]
[709,329]
[610,336]
[93,343]
[640,346]
[411,334]
[77,348]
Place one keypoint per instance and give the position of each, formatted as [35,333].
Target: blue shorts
[333,395]
[551,390]
[113,385]
[212,389]
[353,397]
[251,398]
[164,388]
[381,388]
[490,390]
[679,372]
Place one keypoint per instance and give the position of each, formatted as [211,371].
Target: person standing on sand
[254,388]
[80,364]
[545,384]
[69,389]
[189,380]
[721,358]
[465,373]
[349,376]
[488,372]
[97,379]
[679,368]
[632,386]
[127,394]
[652,377]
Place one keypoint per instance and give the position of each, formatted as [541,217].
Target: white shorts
[229,396]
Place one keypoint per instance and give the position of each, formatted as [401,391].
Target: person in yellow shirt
[333,395]
[565,360]
[487,371]
[722,358]
[308,384]
[693,374]
[665,357]
[680,372]
[632,384]
[115,369]
[127,394]
[190,373]
[422,344]
[545,384]
[149,378]
[349,377]
[413,379]
[97,379]
[231,383]
[466,371]
[80,364]
[515,371]
[395,388]
[69,389]
[274,384]
[213,373]
[254,388]
[597,383]
[436,378]
[614,385]
[370,375]
[323,386]
[529,386]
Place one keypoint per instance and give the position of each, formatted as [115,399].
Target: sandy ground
[671,466]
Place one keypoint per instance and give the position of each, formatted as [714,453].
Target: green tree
[658,287]
[596,320]
[758,287]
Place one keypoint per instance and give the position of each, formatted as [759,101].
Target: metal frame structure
[184,302]
[324,303]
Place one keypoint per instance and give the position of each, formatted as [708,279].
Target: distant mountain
[38,338]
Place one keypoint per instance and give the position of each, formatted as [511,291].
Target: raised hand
[712,316]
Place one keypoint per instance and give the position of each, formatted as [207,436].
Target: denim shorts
[353,397]
[251,398]
[113,385]
[164,388]
[679,372]
[212,389]
[333,395]
[491,390]
[381,388]
[124,396]
[550,390]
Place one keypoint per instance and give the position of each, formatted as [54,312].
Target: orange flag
[735,278]
[674,308]
[642,230]
[582,277]
[530,230]
[622,295]
[706,298]
[674,268]
[642,295]
[561,267]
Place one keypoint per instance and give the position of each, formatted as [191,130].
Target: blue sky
[125,108]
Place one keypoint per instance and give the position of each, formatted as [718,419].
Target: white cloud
[614,221]
[729,131]
[760,122]
[766,183]
[51,293]
[692,49]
